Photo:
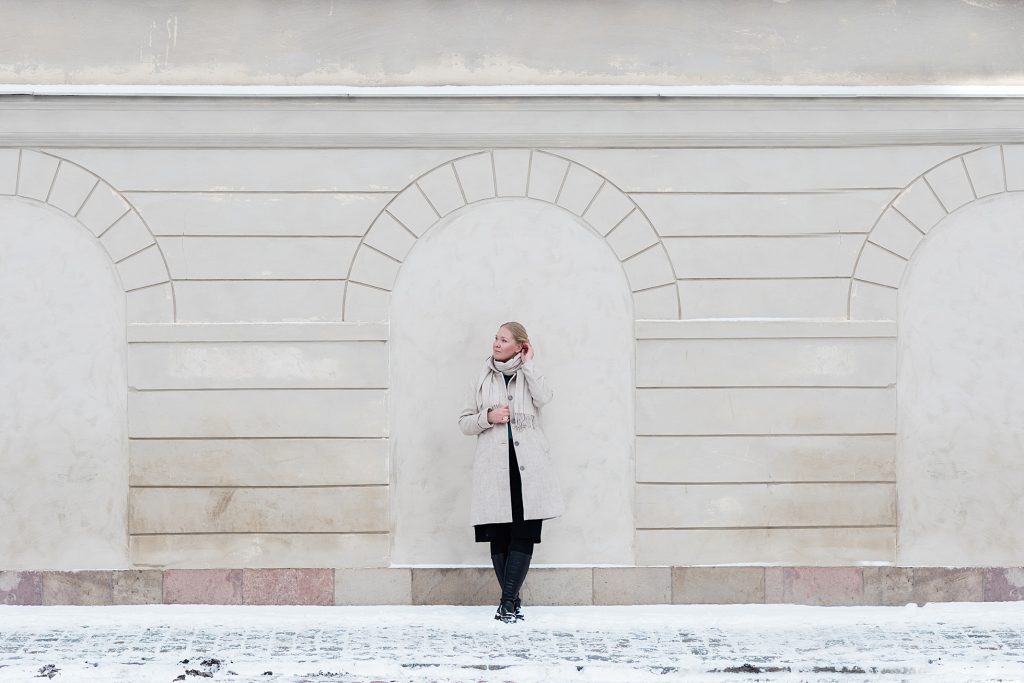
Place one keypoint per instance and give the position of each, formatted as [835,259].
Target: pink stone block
[203,587]
[21,588]
[288,586]
[823,585]
[78,588]
[1004,584]
[948,584]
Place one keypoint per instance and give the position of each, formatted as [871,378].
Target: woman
[514,483]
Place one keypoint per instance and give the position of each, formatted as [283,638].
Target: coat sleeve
[471,420]
[539,389]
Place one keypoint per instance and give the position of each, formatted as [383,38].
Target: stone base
[544,586]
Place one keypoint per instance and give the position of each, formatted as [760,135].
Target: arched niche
[63,431]
[526,260]
[511,173]
[961,409]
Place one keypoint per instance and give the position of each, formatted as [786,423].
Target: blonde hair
[518,332]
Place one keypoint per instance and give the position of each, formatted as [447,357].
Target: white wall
[512,259]
[424,42]
[961,408]
[259,241]
[63,432]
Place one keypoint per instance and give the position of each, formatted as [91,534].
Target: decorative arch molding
[511,173]
[892,241]
[122,233]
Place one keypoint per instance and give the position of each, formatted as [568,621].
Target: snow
[944,642]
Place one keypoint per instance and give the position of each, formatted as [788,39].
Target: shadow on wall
[512,259]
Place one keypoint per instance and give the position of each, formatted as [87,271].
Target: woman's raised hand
[498,415]
[527,352]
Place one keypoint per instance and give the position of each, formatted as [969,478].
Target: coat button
[515,443]
[522,468]
[510,397]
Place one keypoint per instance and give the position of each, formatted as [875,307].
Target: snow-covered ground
[950,642]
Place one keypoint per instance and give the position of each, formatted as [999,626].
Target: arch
[959,409]
[524,173]
[122,233]
[450,293]
[63,415]
[948,187]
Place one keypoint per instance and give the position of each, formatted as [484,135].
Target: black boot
[499,560]
[515,573]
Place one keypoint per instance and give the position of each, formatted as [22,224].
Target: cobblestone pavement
[952,642]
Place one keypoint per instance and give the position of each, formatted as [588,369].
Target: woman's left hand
[527,352]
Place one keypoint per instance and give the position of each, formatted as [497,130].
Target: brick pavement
[463,644]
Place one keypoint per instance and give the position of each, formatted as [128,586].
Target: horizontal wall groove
[291,388]
[256,438]
[766,528]
[746,434]
[159,139]
[777,337]
[777,236]
[334,331]
[216,342]
[260,533]
[236,487]
[774,277]
[762,193]
[221,192]
[860,387]
[764,328]
[260,235]
[262,279]
[765,483]
[278,340]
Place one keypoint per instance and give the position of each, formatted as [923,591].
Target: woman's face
[505,345]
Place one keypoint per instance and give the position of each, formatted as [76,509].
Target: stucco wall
[397,42]
[63,432]
[258,244]
[512,259]
[960,405]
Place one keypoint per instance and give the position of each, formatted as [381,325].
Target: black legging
[521,545]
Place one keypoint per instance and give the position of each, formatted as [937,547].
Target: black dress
[528,529]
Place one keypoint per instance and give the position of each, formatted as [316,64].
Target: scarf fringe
[520,420]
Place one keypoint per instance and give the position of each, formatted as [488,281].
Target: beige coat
[492,501]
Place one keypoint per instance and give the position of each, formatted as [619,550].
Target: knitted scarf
[492,392]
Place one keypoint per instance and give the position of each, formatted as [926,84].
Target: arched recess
[107,215]
[521,173]
[542,207]
[63,411]
[512,259]
[960,484]
[71,237]
[955,296]
[942,190]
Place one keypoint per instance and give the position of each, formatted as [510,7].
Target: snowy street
[954,642]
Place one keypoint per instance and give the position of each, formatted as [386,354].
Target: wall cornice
[475,122]
[529,91]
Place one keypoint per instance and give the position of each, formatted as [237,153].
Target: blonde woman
[514,483]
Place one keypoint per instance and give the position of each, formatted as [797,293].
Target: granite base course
[825,586]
